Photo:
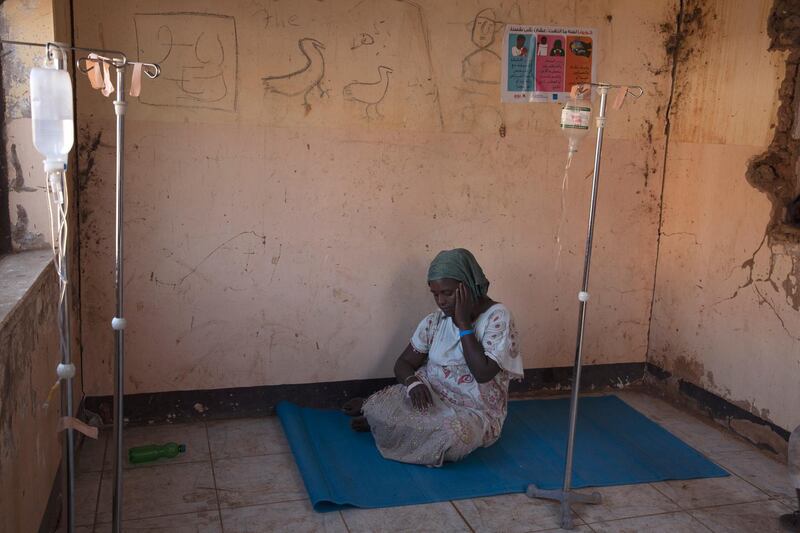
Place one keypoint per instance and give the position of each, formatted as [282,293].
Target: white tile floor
[239,476]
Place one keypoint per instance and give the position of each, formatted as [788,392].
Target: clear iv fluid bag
[51,113]
[575,120]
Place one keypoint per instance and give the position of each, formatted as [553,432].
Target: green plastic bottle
[152,452]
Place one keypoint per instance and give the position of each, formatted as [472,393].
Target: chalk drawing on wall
[482,65]
[198,53]
[303,80]
[364,39]
[276,14]
[369,93]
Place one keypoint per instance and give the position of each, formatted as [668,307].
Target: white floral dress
[465,414]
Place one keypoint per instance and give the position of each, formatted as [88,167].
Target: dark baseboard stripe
[211,404]
[215,404]
[593,377]
[716,406]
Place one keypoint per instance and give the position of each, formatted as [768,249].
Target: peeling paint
[760,435]
[740,417]
[774,251]
[775,172]
[18,183]
[687,368]
[15,72]
[791,284]
[688,31]
[5,223]
[22,238]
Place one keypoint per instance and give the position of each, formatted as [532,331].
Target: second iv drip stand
[566,495]
[119,64]
[118,61]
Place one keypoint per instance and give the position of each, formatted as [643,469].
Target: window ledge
[19,272]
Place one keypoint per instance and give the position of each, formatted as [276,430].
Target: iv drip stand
[118,322]
[566,496]
[120,62]
[65,346]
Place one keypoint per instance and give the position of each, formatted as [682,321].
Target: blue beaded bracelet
[465,332]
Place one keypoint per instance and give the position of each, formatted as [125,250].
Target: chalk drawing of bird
[369,93]
[303,80]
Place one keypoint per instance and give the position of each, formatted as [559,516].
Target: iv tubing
[61,263]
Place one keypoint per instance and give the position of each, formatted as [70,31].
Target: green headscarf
[461,265]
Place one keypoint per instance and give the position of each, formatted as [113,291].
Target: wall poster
[542,63]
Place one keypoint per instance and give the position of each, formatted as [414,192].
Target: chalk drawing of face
[484,28]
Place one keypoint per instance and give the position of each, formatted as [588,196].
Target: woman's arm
[405,368]
[483,368]
[408,363]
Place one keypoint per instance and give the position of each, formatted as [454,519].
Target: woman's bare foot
[359,424]
[353,406]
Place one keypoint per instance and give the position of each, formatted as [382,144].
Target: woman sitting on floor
[453,375]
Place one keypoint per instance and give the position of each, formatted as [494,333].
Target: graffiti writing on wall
[198,54]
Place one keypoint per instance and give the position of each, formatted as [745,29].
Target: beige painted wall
[724,316]
[268,242]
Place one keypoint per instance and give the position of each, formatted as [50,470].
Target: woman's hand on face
[421,397]
[465,306]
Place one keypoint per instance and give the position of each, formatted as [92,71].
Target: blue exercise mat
[615,445]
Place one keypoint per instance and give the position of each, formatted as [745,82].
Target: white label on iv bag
[575,117]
